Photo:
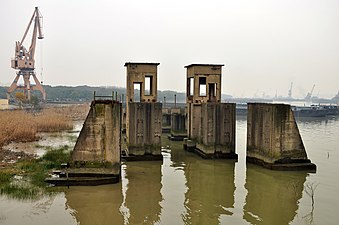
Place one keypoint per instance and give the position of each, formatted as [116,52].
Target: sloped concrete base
[191,146]
[289,165]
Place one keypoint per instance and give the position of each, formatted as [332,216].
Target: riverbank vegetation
[25,178]
[23,126]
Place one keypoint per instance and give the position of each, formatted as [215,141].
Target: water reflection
[135,200]
[143,194]
[273,196]
[317,120]
[208,189]
[45,210]
[96,205]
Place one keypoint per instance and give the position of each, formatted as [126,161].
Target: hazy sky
[264,44]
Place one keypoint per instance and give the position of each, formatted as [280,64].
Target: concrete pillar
[210,123]
[178,124]
[100,137]
[166,120]
[143,112]
[273,138]
[144,132]
[216,137]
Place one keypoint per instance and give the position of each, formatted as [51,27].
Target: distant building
[3,104]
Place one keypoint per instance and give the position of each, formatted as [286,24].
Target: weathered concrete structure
[166,120]
[100,138]
[210,123]
[178,124]
[273,138]
[143,112]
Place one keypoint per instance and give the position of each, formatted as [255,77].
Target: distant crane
[290,91]
[336,98]
[24,60]
[309,94]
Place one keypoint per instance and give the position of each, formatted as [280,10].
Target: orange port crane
[24,59]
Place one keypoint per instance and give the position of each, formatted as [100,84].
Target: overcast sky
[264,44]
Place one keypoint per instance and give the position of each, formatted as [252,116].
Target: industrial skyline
[265,45]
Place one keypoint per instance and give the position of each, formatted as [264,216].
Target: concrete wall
[178,121]
[217,130]
[144,128]
[193,120]
[273,135]
[100,136]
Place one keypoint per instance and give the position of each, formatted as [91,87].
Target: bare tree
[309,189]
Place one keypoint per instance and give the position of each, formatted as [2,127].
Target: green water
[185,189]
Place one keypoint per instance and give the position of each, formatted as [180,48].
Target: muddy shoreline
[8,157]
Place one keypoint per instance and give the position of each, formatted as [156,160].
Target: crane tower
[290,91]
[309,94]
[24,61]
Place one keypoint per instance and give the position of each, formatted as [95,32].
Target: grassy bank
[25,179]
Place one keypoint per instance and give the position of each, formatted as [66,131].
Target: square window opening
[137,92]
[148,85]
[202,86]
[190,86]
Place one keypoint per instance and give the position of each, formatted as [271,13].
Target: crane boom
[25,59]
[312,89]
[309,94]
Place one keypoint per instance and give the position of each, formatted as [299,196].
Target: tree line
[86,93]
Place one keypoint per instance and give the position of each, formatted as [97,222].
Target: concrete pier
[99,140]
[211,124]
[178,124]
[143,113]
[273,138]
[217,134]
[166,120]
[144,130]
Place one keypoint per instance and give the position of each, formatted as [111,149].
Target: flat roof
[203,65]
[140,63]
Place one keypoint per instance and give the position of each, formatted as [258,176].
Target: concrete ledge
[299,165]
[166,129]
[189,145]
[177,137]
[85,177]
[146,157]
[82,181]
[217,155]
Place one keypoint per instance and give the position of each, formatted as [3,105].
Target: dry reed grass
[20,126]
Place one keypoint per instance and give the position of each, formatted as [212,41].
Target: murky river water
[185,189]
